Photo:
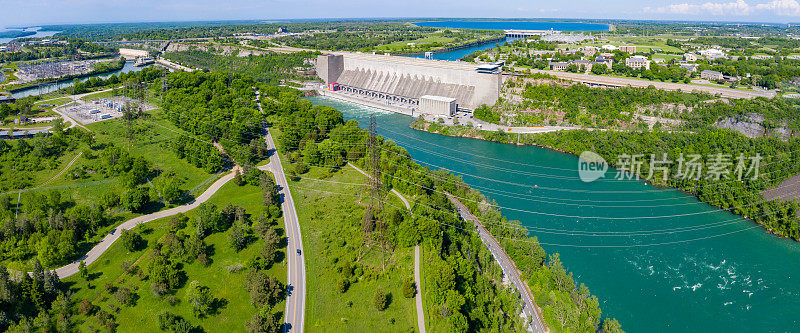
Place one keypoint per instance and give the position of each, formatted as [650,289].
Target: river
[51,87]
[518,25]
[38,30]
[502,25]
[695,268]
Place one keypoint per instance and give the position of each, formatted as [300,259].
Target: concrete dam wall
[410,78]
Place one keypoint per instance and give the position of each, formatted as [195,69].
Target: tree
[199,297]
[269,192]
[83,271]
[237,178]
[135,199]
[131,240]
[236,237]
[264,289]
[599,69]
[611,325]
[381,299]
[163,270]
[264,321]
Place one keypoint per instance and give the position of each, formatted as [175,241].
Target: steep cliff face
[756,126]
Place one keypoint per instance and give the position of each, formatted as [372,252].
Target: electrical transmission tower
[164,85]
[373,225]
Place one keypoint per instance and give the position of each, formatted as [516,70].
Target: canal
[51,87]
[657,259]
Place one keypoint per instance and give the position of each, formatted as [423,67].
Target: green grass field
[332,235]
[98,95]
[226,286]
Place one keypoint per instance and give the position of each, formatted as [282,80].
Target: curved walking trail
[105,244]
[417,279]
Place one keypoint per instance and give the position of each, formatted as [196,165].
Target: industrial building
[437,105]
[404,80]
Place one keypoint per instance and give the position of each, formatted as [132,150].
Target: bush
[343,285]
[86,307]
[409,288]
[124,296]
[381,299]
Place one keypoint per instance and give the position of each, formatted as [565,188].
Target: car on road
[298,252]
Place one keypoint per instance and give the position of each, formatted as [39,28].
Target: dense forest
[274,68]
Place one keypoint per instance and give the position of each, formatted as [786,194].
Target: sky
[40,12]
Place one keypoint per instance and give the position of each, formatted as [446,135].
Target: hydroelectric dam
[407,85]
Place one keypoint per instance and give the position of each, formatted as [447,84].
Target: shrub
[343,285]
[86,307]
[124,296]
[409,288]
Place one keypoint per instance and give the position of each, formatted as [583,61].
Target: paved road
[100,248]
[614,81]
[417,279]
[296,280]
[508,266]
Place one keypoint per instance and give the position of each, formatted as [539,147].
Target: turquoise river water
[658,259]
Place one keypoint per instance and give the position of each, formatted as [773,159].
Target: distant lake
[520,25]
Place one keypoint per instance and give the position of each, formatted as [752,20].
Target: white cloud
[735,8]
[781,7]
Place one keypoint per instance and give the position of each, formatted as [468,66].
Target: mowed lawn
[228,287]
[332,236]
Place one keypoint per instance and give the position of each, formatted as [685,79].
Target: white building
[712,54]
[437,105]
[689,57]
[637,62]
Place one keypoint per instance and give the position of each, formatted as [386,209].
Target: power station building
[437,105]
[405,80]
